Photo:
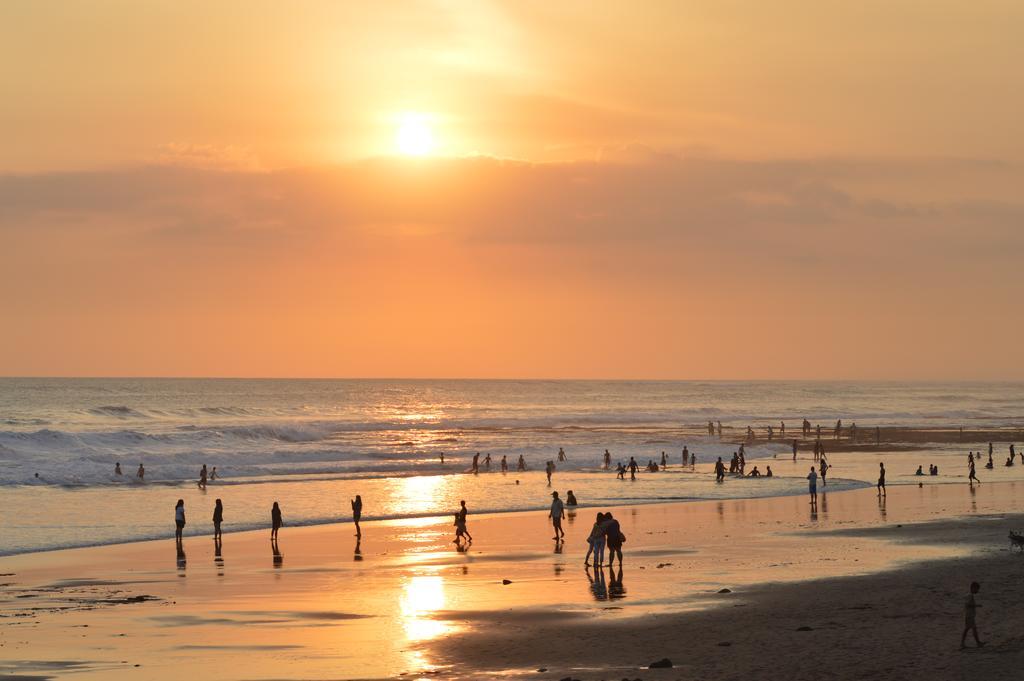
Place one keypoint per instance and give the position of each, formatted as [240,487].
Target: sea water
[314,444]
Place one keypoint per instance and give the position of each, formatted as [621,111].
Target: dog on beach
[1016,540]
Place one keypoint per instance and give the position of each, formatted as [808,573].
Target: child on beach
[970,609]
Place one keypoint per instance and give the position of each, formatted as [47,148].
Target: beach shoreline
[433,610]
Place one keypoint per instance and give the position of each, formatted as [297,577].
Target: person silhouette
[275,521]
[556,514]
[179,519]
[462,513]
[218,518]
[357,513]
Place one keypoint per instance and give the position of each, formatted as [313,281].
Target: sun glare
[414,137]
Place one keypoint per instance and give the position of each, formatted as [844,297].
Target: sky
[664,190]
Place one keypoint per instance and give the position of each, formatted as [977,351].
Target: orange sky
[705,189]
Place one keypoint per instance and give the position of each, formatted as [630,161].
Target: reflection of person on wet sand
[278,558]
[615,587]
[358,554]
[218,518]
[181,556]
[597,583]
[179,519]
[275,521]
[357,513]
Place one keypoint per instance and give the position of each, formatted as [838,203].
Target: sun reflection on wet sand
[422,597]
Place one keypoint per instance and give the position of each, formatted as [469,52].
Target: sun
[414,136]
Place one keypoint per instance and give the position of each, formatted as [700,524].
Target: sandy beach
[880,585]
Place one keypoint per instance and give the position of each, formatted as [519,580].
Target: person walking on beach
[607,459]
[487,461]
[561,454]
[202,477]
[613,539]
[357,513]
[476,464]
[522,463]
[504,464]
[972,476]
[549,469]
[179,519]
[664,461]
[218,518]
[556,515]
[141,473]
[633,467]
[794,449]
[620,472]
[596,542]
[812,486]
[782,429]
[823,468]
[461,515]
[686,455]
[881,479]
[275,521]
[970,611]
[719,470]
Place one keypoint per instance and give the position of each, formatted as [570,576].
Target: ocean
[313,444]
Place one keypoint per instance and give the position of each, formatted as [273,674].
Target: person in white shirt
[179,519]
[557,513]
[812,480]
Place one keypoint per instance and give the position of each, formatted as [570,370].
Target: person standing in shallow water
[218,518]
[812,486]
[357,513]
[719,470]
[141,473]
[881,479]
[972,476]
[556,514]
[275,521]
[179,519]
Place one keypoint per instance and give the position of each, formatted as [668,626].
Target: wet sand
[880,586]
